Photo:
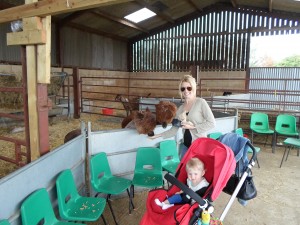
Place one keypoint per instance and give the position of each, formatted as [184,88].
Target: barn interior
[67,61]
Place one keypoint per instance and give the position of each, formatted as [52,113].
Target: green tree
[291,61]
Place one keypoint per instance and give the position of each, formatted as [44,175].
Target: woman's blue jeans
[182,150]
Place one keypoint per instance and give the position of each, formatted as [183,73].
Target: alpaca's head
[165,112]
[121,98]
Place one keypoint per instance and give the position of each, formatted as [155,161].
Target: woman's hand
[187,125]
[154,136]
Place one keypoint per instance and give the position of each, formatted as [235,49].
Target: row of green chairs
[150,162]
[147,174]
[285,125]
[37,208]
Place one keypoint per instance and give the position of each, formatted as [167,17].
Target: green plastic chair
[215,135]
[169,156]
[259,124]
[37,209]
[148,168]
[103,181]
[73,206]
[240,132]
[4,222]
[285,126]
[290,143]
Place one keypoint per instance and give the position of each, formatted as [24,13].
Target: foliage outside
[291,61]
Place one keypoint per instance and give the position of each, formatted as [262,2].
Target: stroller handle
[254,154]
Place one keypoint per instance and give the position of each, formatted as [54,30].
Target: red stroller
[220,164]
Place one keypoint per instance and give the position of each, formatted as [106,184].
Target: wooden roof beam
[4,5]
[194,5]
[234,3]
[270,5]
[45,7]
[118,20]
[95,31]
[162,15]
[70,17]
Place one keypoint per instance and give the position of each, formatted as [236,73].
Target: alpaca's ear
[147,109]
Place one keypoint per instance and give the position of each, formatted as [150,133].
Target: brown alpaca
[144,122]
[72,134]
[127,120]
[165,112]
[128,106]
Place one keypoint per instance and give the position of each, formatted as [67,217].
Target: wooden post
[32,102]
[76,92]
[36,35]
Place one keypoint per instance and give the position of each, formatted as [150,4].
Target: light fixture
[140,15]
[16,26]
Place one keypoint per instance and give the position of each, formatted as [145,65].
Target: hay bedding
[58,128]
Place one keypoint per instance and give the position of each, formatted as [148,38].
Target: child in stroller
[195,181]
[219,163]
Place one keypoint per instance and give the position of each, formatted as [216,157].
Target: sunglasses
[187,88]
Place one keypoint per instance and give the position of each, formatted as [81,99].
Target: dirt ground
[278,189]
[277,201]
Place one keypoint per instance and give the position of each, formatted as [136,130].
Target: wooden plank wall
[100,87]
[213,83]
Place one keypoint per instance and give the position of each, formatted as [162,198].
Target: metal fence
[275,88]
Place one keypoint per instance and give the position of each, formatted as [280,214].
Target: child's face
[195,175]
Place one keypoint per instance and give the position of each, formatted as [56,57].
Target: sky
[277,47]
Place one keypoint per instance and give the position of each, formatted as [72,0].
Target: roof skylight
[140,15]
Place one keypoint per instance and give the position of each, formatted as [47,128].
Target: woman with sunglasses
[194,116]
